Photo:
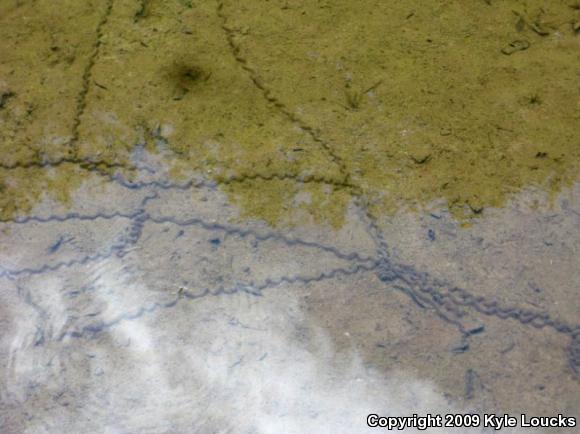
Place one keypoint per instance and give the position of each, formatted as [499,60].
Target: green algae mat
[294,107]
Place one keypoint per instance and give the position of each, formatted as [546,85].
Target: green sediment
[301,103]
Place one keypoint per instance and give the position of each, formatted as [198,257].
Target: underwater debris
[515,46]
[185,77]
[4,97]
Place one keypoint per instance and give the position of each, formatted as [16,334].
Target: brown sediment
[302,105]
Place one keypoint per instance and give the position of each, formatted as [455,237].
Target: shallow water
[280,217]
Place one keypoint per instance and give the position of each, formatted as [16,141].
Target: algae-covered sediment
[301,103]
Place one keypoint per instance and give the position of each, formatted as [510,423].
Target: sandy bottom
[145,309]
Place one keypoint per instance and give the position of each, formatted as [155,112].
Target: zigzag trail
[269,95]
[92,331]
[87,74]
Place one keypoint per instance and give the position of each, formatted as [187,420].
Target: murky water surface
[279,217]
